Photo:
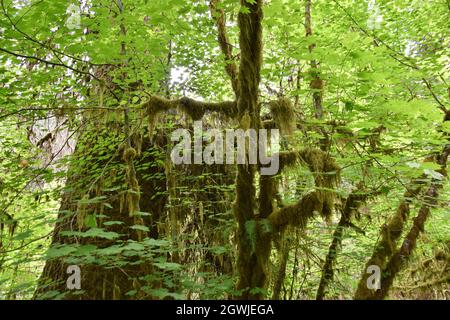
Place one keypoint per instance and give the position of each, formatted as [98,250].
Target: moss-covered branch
[391,232]
[298,214]
[283,115]
[224,43]
[399,259]
[316,84]
[193,108]
[352,203]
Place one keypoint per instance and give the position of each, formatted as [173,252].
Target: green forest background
[91,91]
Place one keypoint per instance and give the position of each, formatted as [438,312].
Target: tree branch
[222,37]
[399,259]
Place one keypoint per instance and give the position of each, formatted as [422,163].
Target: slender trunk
[316,84]
[352,203]
[281,274]
[327,269]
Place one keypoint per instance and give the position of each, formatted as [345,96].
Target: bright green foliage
[384,92]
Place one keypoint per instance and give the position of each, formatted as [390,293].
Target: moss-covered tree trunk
[249,266]
[99,279]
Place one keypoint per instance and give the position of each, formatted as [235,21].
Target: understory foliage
[91,92]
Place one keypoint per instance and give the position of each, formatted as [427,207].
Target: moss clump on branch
[196,109]
[288,159]
[154,107]
[322,200]
[192,108]
[129,154]
[326,175]
[283,114]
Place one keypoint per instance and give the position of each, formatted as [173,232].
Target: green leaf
[90,221]
[244,10]
[92,200]
[250,227]
[140,227]
[23,235]
[157,242]
[59,251]
[93,232]
[112,223]
[168,266]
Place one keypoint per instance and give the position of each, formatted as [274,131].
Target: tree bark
[101,281]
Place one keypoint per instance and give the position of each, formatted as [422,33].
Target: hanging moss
[325,170]
[283,114]
[327,175]
[192,108]
[288,159]
[154,106]
[136,142]
[129,154]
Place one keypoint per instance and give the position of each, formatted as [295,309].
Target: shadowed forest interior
[352,97]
